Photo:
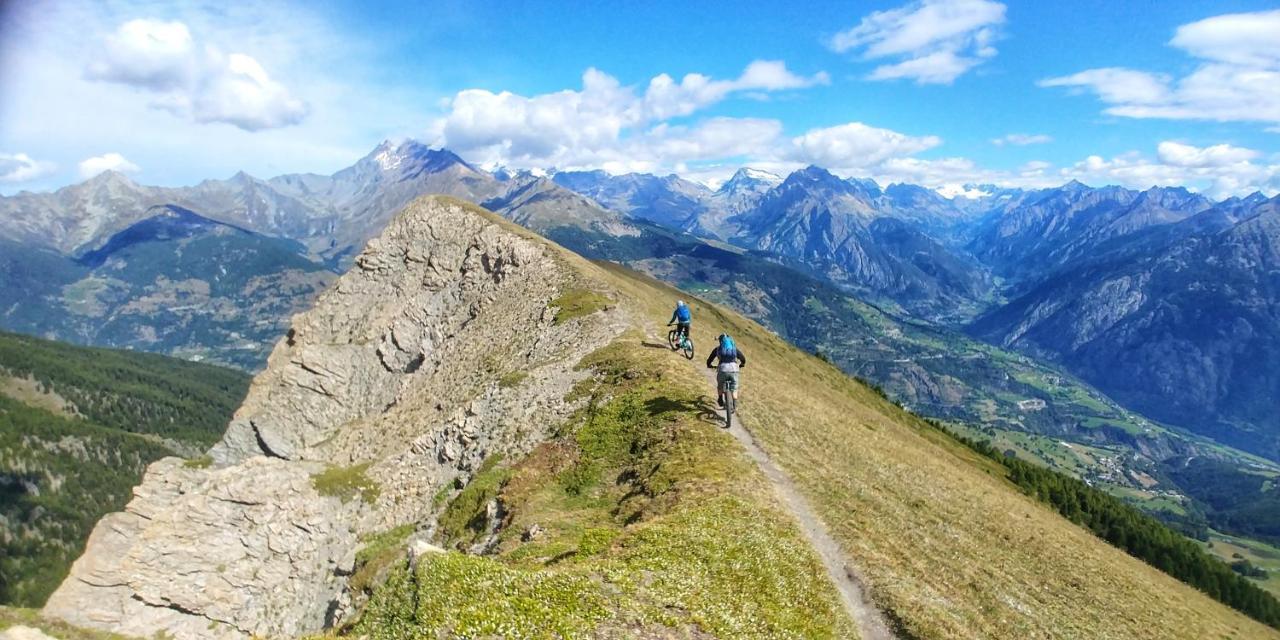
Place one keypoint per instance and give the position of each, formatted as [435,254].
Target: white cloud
[200,82]
[1117,85]
[856,145]
[1218,170]
[53,110]
[1245,39]
[608,123]
[20,167]
[1021,139]
[1238,78]
[90,167]
[934,41]
[1218,155]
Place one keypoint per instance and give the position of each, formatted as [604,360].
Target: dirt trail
[872,624]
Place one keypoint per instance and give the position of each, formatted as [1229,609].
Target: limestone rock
[395,369]
[250,549]
[19,632]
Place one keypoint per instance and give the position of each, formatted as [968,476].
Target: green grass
[576,303]
[1231,548]
[512,379]
[463,521]
[199,462]
[652,519]
[347,483]
[379,552]
[950,548]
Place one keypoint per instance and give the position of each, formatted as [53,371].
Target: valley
[929,266]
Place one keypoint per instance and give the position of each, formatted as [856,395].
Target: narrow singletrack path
[872,624]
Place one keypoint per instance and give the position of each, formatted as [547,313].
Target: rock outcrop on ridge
[441,347]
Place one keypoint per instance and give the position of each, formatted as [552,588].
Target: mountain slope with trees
[78,427]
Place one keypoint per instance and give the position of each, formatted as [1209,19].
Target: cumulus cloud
[608,123]
[1021,139]
[856,145]
[20,167]
[1238,77]
[90,167]
[932,41]
[200,82]
[1219,170]
[1218,155]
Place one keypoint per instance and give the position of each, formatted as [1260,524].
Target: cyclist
[682,317]
[731,359]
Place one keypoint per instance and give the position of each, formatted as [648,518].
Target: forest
[61,472]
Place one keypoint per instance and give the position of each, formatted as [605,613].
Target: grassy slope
[951,548]
[653,524]
[934,371]
[60,472]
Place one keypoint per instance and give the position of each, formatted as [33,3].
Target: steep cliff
[387,386]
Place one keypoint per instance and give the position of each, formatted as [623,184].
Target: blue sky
[938,92]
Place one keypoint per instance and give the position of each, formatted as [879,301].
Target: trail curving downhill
[872,624]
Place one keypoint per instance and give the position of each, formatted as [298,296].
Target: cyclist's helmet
[679,303]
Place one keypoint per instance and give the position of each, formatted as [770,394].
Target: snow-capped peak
[387,157]
[748,178]
[758,175]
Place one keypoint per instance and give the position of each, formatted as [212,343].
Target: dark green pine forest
[78,427]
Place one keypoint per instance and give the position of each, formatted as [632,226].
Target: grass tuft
[346,483]
[576,303]
[379,552]
[199,462]
[512,379]
[464,520]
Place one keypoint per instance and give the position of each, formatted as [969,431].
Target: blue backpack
[683,314]
[728,350]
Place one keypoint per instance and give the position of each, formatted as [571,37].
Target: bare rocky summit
[440,348]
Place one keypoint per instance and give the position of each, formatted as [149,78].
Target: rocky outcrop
[438,349]
[249,549]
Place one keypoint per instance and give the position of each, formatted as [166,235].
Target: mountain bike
[727,401]
[674,338]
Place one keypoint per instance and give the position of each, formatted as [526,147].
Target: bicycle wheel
[688,348]
[727,396]
[672,338]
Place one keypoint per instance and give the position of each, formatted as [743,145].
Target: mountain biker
[731,358]
[682,317]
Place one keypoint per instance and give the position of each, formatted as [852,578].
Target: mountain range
[1161,298]
[477,433]
[1085,277]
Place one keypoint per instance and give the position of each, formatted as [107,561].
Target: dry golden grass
[952,549]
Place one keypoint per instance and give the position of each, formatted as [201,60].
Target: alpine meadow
[904,319]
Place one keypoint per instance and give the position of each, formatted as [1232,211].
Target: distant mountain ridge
[1186,330]
[904,247]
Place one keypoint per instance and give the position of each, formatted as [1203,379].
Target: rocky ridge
[394,380]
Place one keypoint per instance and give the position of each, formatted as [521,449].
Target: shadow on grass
[703,408]
[655,345]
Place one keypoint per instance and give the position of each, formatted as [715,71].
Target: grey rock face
[251,549]
[397,368]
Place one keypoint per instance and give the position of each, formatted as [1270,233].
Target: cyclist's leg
[733,385]
[722,384]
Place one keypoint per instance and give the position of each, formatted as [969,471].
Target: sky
[944,93]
